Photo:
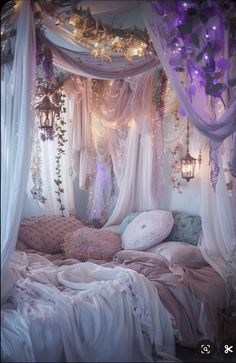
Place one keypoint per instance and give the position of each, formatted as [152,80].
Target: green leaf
[199,56]
[213,89]
[232,82]
[203,18]
[210,51]
[185,28]
[209,77]
[195,40]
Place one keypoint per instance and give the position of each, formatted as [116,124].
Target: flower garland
[176,168]
[159,91]
[35,168]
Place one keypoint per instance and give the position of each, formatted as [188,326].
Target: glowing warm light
[188,163]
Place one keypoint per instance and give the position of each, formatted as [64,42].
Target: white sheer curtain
[216,212]
[49,152]
[17,118]
[41,184]
[217,219]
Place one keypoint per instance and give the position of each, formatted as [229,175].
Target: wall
[188,201]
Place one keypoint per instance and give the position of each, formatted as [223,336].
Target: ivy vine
[59,133]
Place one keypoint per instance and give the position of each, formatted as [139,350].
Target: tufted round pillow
[126,221]
[46,233]
[91,243]
[147,230]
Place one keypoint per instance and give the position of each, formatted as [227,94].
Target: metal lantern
[46,112]
[188,163]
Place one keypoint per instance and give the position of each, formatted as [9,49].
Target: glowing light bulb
[196,72]
[214,27]
[206,56]
[207,36]
[185,5]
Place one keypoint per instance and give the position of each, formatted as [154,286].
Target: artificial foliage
[60,137]
[194,33]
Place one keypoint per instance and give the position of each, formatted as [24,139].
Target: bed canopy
[202,77]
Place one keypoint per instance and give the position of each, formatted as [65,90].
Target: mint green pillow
[187,228]
[127,221]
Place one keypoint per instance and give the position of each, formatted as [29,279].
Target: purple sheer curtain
[217,130]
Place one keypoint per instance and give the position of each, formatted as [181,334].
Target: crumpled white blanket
[83,313]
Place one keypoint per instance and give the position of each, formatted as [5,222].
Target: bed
[134,308]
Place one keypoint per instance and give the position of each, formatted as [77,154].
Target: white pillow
[180,253]
[147,230]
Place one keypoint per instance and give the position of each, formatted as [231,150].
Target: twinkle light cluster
[101,40]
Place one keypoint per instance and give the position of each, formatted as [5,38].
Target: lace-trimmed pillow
[147,230]
[91,243]
[46,233]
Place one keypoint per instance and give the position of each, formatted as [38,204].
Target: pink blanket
[178,287]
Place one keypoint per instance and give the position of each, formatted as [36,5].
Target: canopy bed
[116,106]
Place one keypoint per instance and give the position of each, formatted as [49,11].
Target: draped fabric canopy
[16,115]
[18,88]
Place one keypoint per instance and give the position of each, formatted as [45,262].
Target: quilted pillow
[147,230]
[187,228]
[126,221]
[91,243]
[180,253]
[46,233]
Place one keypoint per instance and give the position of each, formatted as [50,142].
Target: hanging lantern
[188,163]
[46,112]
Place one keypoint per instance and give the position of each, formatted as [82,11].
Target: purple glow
[223,64]
[196,72]
[192,90]
[182,111]
[214,27]
[206,57]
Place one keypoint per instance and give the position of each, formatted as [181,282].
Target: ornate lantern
[46,112]
[188,163]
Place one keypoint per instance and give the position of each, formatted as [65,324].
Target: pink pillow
[180,253]
[91,243]
[46,233]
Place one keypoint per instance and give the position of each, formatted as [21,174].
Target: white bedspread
[83,313]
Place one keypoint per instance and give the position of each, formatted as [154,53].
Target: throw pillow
[90,243]
[46,233]
[147,230]
[187,228]
[114,228]
[180,253]
[126,221]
